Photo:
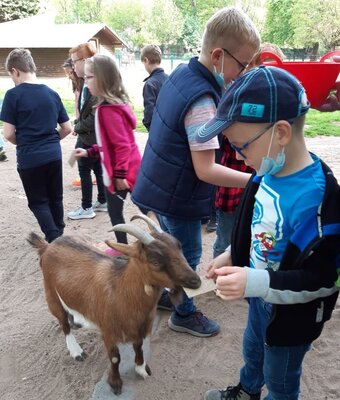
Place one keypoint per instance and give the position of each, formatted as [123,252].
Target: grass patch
[317,123]
[138,111]
[322,123]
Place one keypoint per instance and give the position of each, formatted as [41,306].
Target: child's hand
[79,152]
[222,260]
[231,282]
[121,184]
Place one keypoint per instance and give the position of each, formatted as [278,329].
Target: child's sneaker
[231,393]
[211,226]
[195,324]
[98,206]
[3,156]
[164,303]
[81,213]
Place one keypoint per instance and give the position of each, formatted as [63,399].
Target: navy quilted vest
[167,183]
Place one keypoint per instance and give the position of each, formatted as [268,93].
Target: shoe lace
[231,393]
[200,318]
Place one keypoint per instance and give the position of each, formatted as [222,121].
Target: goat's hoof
[148,370]
[143,370]
[81,357]
[116,386]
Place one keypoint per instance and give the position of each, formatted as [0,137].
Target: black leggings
[85,166]
[115,205]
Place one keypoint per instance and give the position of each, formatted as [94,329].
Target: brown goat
[116,295]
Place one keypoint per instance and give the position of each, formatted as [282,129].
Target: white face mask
[269,166]
[219,76]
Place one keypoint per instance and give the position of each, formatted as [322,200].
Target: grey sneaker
[97,206]
[231,393]
[81,213]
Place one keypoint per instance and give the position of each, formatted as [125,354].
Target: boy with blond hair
[284,255]
[151,57]
[177,174]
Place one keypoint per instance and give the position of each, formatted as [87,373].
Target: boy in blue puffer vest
[177,174]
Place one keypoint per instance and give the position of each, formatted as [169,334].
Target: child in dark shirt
[31,112]
[151,57]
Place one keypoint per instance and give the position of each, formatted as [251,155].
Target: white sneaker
[81,213]
[97,206]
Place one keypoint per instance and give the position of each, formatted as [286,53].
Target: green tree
[202,9]
[130,20]
[278,27]
[166,23]
[78,11]
[198,12]
[316,22]
[192,35]
[17,9]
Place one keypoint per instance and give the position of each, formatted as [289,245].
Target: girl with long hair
[114,126]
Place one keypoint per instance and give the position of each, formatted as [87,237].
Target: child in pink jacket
[114,125]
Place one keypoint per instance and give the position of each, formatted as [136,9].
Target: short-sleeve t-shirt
[34,110]
[282,205]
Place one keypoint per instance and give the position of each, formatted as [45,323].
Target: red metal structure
[318,78]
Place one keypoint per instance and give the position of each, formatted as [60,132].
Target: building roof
[40,31]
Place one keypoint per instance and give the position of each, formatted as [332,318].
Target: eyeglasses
[78,59]
[243,66]
[239,150]
[87,77]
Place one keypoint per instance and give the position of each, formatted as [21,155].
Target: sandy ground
[34,361]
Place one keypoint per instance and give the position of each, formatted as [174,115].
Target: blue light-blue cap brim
[211,129]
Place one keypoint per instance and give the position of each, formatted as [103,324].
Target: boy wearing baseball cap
[284,256]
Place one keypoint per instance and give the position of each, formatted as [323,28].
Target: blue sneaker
[195,324]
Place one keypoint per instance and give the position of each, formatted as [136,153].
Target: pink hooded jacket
[116,145]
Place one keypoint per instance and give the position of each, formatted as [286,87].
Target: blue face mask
[269,166]
[219,76]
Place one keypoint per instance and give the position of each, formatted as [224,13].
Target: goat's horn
[135,231]
[153,226]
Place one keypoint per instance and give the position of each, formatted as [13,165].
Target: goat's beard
[176,295]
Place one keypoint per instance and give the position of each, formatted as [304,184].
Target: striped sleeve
[200,112]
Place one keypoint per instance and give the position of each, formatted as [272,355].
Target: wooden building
[49,43]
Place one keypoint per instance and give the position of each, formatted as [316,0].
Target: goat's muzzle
[193,282]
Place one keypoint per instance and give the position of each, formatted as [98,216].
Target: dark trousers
[43,186]
[85,166]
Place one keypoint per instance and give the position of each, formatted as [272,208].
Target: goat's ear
[126,249]
[152,216]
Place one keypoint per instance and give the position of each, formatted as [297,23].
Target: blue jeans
[225,224]
[278,367]
[189,234]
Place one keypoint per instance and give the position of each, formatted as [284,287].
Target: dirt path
[34,362]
